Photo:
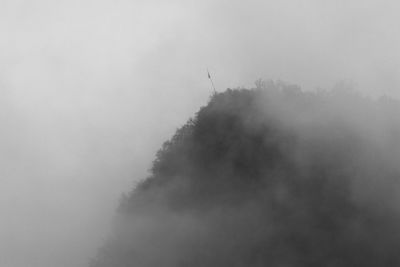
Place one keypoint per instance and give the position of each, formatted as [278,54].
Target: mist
[91,89]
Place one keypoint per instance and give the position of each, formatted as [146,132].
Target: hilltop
[269,176]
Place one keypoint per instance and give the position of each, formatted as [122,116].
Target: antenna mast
[212,83]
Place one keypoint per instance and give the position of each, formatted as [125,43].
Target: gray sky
[90,89]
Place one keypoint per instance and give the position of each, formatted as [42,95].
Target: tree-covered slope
[271,176]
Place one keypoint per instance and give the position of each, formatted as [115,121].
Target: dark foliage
[271,176]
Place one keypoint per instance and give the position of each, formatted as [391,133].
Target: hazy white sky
[90,89]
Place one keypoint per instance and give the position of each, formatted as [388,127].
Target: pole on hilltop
[212,83]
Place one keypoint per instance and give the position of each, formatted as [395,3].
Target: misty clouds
[84,85]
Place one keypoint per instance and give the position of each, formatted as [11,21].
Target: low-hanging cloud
[85,84]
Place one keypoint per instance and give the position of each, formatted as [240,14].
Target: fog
[90,90]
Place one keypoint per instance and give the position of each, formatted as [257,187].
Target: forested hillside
[269,176]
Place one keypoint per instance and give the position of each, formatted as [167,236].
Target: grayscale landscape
[199,133]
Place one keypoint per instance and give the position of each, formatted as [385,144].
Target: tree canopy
[269,176]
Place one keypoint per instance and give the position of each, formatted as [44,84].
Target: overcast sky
[90,89]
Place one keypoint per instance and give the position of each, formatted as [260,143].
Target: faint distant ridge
[271,176]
